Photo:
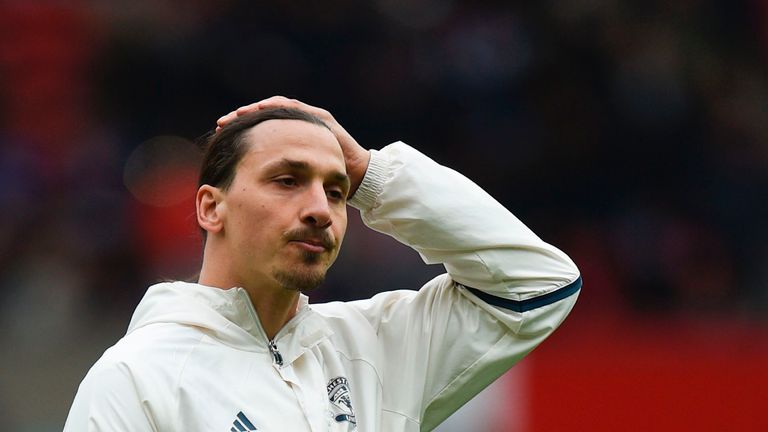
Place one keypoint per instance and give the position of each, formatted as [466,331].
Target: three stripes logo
[242,424]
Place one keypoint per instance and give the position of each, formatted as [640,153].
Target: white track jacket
[196,358]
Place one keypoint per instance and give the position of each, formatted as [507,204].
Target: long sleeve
[108,401]
[504,292]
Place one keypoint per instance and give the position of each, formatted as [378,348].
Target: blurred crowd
[634,135]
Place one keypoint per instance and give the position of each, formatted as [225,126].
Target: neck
[274,309]
[274,305]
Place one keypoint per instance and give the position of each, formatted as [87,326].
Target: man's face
[286,207]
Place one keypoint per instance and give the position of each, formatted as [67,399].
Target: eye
[286,181]
[335,194]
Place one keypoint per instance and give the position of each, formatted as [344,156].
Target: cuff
[373,182]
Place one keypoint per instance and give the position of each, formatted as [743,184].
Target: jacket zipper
[278,358]
[271,343]
[275,353]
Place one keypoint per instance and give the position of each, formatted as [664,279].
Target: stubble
[305,276]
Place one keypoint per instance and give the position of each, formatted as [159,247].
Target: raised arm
[506,290]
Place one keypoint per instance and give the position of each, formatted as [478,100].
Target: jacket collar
[229,316]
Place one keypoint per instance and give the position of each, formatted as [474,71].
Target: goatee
[304,277]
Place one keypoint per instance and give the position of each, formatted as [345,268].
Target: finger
[273,101]
[282,101]
[246,109]
[223,120]
[268,102]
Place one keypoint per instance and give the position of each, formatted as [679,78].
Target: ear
[210,208]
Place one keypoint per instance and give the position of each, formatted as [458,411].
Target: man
[242,350]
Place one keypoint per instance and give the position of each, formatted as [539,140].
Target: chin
[311,258]
[300,279]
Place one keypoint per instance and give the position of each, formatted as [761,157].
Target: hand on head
[355,156]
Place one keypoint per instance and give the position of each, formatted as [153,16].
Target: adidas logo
[242,424]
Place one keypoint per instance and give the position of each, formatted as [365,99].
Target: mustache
[309,234]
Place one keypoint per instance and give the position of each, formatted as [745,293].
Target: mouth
[312,245]
[310,241]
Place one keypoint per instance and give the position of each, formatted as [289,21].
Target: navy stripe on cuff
[531,303]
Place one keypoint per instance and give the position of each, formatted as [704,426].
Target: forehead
[292,139]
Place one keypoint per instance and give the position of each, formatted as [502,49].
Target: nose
[316,211]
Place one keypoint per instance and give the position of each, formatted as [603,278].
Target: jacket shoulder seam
[409,418]
[177,383]
[361,359]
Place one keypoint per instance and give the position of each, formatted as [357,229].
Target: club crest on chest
[341,402]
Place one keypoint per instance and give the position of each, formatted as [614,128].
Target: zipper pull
[275,353]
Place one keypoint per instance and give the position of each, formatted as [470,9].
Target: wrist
[376,175]
[356,170]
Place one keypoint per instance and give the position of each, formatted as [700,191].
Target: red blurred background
[633,135]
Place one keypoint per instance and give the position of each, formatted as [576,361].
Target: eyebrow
[297,165]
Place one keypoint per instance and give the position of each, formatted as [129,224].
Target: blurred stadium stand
[634,135]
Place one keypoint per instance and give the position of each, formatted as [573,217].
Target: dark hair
[224,150]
